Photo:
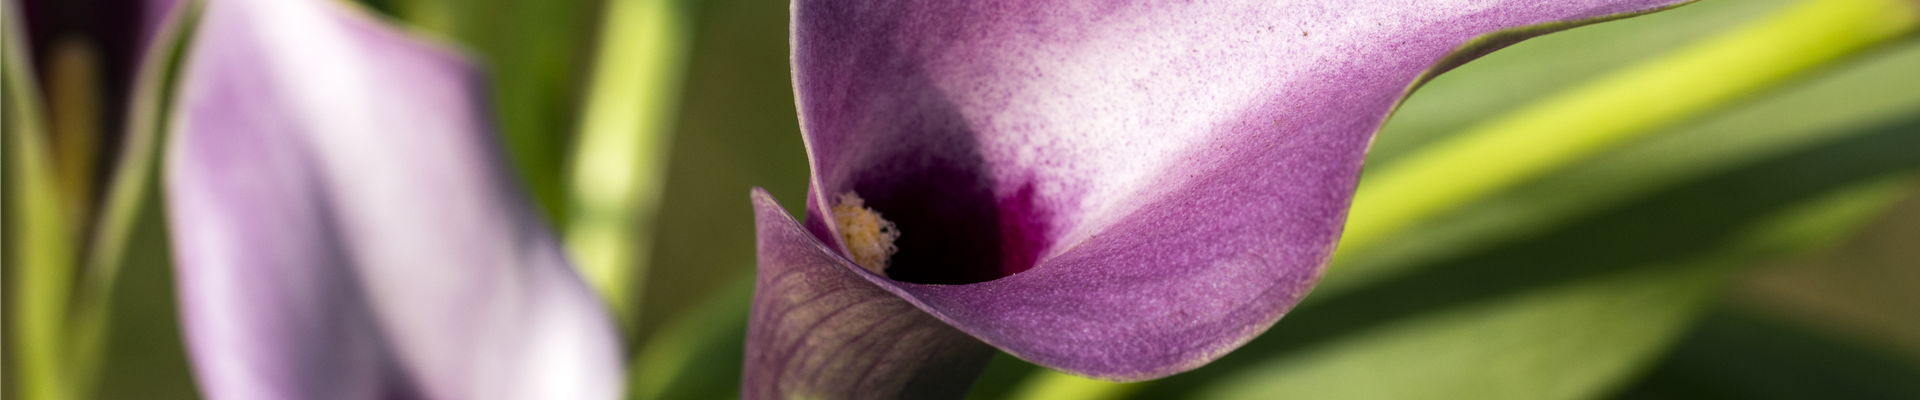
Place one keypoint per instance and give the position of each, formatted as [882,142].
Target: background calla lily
[82,80]
[345,226]
[1118,191]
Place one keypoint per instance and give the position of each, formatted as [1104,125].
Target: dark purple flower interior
[922,168]
[935,188]
[111,30]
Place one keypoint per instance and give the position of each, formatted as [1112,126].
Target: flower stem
[1583,122]
[619,164]
[126,195]
[40,244]
[1642,99]
[430,15]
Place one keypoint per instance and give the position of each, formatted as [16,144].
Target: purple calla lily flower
[345,225]
[1117,190]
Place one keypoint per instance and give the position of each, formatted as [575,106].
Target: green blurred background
[1766,249]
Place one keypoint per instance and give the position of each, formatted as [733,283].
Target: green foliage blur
[1762,250]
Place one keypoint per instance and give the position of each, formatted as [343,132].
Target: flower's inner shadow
[945,212]
[930,180]
[881,128]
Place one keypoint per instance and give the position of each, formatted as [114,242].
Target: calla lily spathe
[345,225]
[1122,190]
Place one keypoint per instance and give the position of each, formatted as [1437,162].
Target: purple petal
[345,226]
[1123,191]
[822,331]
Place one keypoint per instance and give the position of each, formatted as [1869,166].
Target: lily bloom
[345,225]
[1117,190]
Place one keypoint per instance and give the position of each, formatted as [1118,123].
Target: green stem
[1579,123]
[1582,122]
[619,166]
[428,15]
[39,241]
[134,170]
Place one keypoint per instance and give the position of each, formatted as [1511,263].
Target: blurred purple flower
[346,227]
[1118,190]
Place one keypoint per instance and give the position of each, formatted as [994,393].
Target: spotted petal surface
[345,225]
[1117,189]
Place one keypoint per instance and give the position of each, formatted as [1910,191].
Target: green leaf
[737,129]
[146,358]
[1565,341]
[1560,342]
[1843,103]
[1737,356]
[41,248]
[1867,291]
[1512,77]
[619,163]
[126,199]
[698,355]
[1552,132]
